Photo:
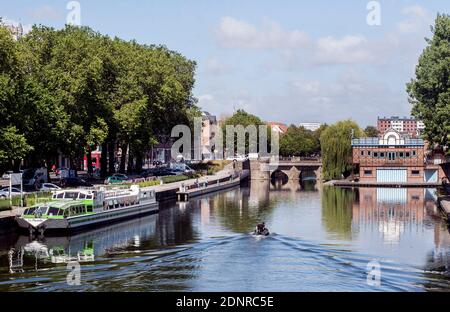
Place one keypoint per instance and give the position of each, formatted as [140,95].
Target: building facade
[393,158]
[312,126]
[209,128]
[405,126]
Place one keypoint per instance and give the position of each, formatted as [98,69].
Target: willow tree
[336,148]
[429,91]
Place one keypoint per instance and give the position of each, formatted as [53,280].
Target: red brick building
[393,158]
[405,126]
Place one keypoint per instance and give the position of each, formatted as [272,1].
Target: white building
[312,126]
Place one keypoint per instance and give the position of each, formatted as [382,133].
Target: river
[323,239]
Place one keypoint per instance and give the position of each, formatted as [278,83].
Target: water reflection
[393,210]
[337,211]
[323,238]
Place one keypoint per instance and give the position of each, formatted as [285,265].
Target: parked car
[49,187]
[74,182]
[116,179]
[4,192]
[59,170]
[34,177]
[121,176]
[237,158]
[5,176]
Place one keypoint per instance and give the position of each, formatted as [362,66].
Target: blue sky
[289,61]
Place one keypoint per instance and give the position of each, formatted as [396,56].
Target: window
[82,196]
[362,153]
[89,208]
[402,154]
[414,153]
[367,172]
[407,154]
[61,195]
[53,211]
[375,155]
[415,172]
[382,155]
[369,153]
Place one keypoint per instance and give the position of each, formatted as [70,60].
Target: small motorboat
[264,232]
[261,230]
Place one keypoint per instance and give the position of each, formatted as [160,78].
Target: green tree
[242,118]
[336,148]
[297,141]
[429,91]
[13,146]
[371,132]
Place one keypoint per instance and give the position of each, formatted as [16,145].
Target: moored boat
[74,209]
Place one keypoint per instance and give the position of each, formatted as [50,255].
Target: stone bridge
[294,168]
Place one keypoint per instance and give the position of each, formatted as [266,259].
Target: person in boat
[261,228]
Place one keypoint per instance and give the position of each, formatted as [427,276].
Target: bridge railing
[299,159]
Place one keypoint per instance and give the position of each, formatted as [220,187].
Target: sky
[289,61]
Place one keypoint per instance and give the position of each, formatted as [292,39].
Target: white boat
[71,210]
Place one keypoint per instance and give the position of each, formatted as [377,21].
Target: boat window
[53,211]
[82,196]
[61,195]
[71,195]
[31,210]
[88,196]
[89,208]
[61,212]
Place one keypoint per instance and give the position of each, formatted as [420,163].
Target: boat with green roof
[74,209]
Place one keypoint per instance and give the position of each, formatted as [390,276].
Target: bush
[172,179]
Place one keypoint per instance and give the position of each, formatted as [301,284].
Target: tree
[371,132]
[13,146]
[336,148]
[244,119]
[429,91]
[297,141]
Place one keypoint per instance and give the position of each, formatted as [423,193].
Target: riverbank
[341,183]
[164,192]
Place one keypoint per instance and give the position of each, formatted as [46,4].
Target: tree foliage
[336,148]
[297,141]
[73,89]
[371,132]
[429,91]
[244,119]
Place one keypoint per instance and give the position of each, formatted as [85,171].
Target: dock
[169,191]
[186,193]
[384,184]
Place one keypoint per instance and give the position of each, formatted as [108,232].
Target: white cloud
[417,18]
[233,33]
[346,50]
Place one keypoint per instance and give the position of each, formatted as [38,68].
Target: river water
[323,239]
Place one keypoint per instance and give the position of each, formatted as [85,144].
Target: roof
[283,127]
[61,204]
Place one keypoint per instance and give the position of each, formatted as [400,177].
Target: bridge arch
[279,176]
